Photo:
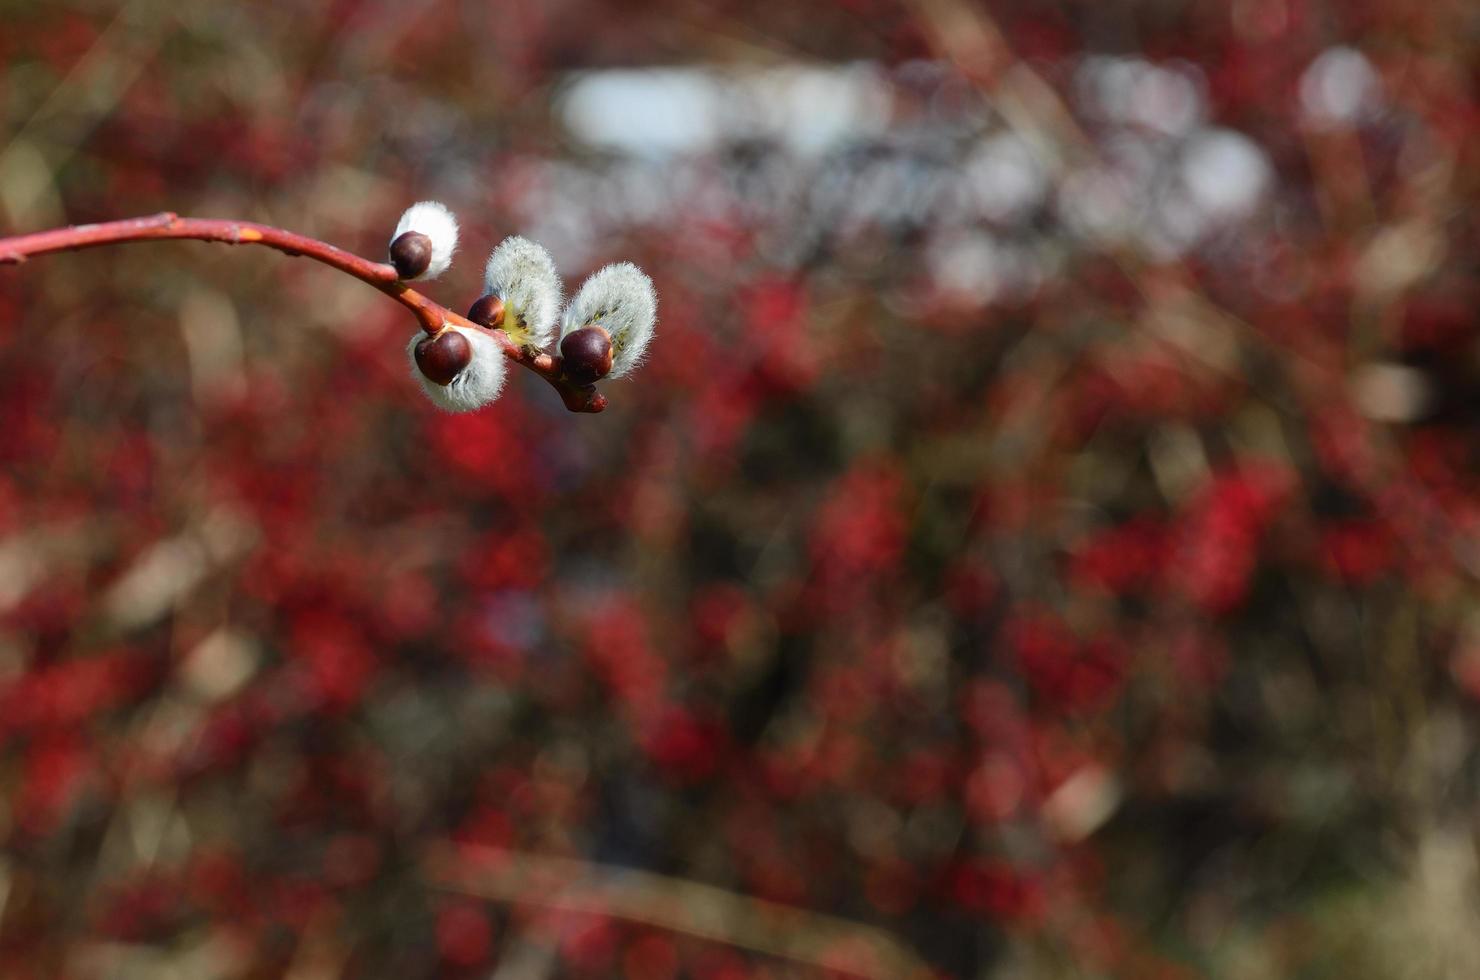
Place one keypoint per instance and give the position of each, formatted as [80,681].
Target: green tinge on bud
[470,361]
[434,223]
[523,276]
[621,300]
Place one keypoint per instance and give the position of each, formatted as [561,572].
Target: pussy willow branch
[432,316]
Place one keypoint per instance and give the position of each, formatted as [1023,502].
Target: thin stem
[432,316]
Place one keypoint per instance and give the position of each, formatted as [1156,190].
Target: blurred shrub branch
[675,904]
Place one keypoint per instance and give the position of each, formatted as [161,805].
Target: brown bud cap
[411,254]
[440,358]
[487,311]
[587,355]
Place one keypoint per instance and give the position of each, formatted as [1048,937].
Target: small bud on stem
[487,311]
[522,275]
[587,355]
[440,358]
[461,368]
[424,240]
[620,299]
[411,254]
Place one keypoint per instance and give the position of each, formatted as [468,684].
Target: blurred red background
[1042,542]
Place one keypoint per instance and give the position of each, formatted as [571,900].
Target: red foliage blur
[1044,532]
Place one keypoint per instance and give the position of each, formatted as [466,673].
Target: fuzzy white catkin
[475,385]
[522,274]
[438,224]
[620,299]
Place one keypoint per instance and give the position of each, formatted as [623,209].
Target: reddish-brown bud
[487,311]
[411,254]
[587,355]
[440,358]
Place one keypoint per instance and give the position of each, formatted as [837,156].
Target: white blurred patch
[28,190]
[1133,91]
[220,665]
[662,112]
[1398,257]
[643,112]
[151,586]
[1097,204]
[171,569]
[213,344]
[813,109]
[1340,88]
[1179,464]
[1176,225]
[1006,179]
[859,148]
[974,268]
[969,268]
[1225,172]
[1082,803]
[1391,392]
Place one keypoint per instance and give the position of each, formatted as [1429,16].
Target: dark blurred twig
[678,905]
[86,95]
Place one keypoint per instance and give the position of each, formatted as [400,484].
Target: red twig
[432,316]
